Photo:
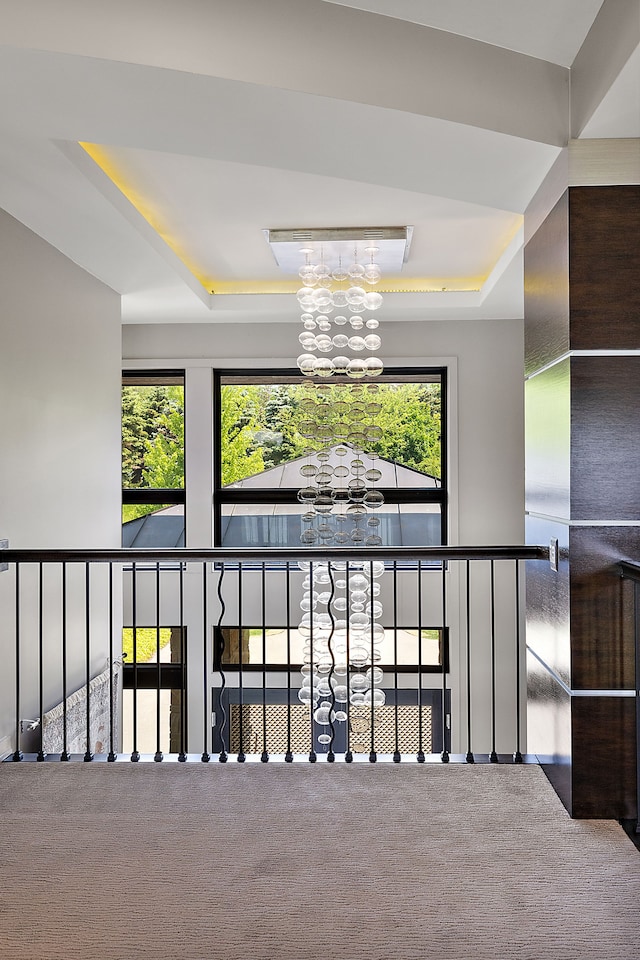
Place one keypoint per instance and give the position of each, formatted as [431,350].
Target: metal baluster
[88,756]
[17,754]
[469,757]
[348,757]
[182,756]
[493,756]
[331,755]
[135,756]
[444,756]
[241,753]
[111,755]
[65,755]
[372,752]
[220,647]
[517,756]
[288,755]
[158,754]
[264,756]
[396,754]
[421,757]
[205,636]
[40,756]
[312,753]
[636,602]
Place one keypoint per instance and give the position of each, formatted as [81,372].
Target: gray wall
[60,465]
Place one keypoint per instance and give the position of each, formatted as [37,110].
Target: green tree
[410,424]
[149,412]
[239,422]
[408,419]
[164,452]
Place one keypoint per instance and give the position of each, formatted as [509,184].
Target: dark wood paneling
[546,290]
[604,267]
[603,757]
[605,438]
[602,638]
[547,441]
[548,625]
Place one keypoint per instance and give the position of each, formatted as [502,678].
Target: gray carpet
[278,862]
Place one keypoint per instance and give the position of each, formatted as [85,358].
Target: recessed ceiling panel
[212,215]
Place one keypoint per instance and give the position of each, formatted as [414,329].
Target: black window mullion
[153,495]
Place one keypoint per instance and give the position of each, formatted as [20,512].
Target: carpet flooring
[294,862]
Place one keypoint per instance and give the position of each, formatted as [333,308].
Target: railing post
[493,756]
[182,756]
[241,753]
[469,757]
[288,755]
[88,756]
[205,757]
[312,753]
[444,756]
[421,757]
[636,631]
[264,757]
[17,755]
[158,754]
[330,754]
[219,658]
[111,755]
[65,755]
[135,756]
[517,756]
[41,755]
[348,757]
[396,754]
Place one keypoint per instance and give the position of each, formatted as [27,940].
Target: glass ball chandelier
[340,610]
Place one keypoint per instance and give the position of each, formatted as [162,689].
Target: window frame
[405,495]
[159,495]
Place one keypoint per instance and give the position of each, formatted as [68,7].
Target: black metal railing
[222,662]
[631,571]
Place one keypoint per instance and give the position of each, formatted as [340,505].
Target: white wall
[485,360]
[60,358]
[487,435]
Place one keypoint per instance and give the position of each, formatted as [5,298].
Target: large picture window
[153,475]
[264,435]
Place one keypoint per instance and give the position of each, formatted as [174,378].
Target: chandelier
[340,607]
[333,302]
[340,471]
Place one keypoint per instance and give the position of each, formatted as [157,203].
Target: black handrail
[276,554]
[628,570]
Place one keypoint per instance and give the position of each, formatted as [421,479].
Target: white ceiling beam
[610,43]
[65,97]
[315,48]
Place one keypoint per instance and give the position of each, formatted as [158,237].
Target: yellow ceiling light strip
[101,156]
[391,285]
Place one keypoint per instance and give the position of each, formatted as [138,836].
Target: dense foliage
[261,425]
[153,437]
[260,428]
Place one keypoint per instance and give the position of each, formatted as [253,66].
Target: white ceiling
[447,135]
[552,30]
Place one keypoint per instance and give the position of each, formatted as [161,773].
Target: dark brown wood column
[582,398]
